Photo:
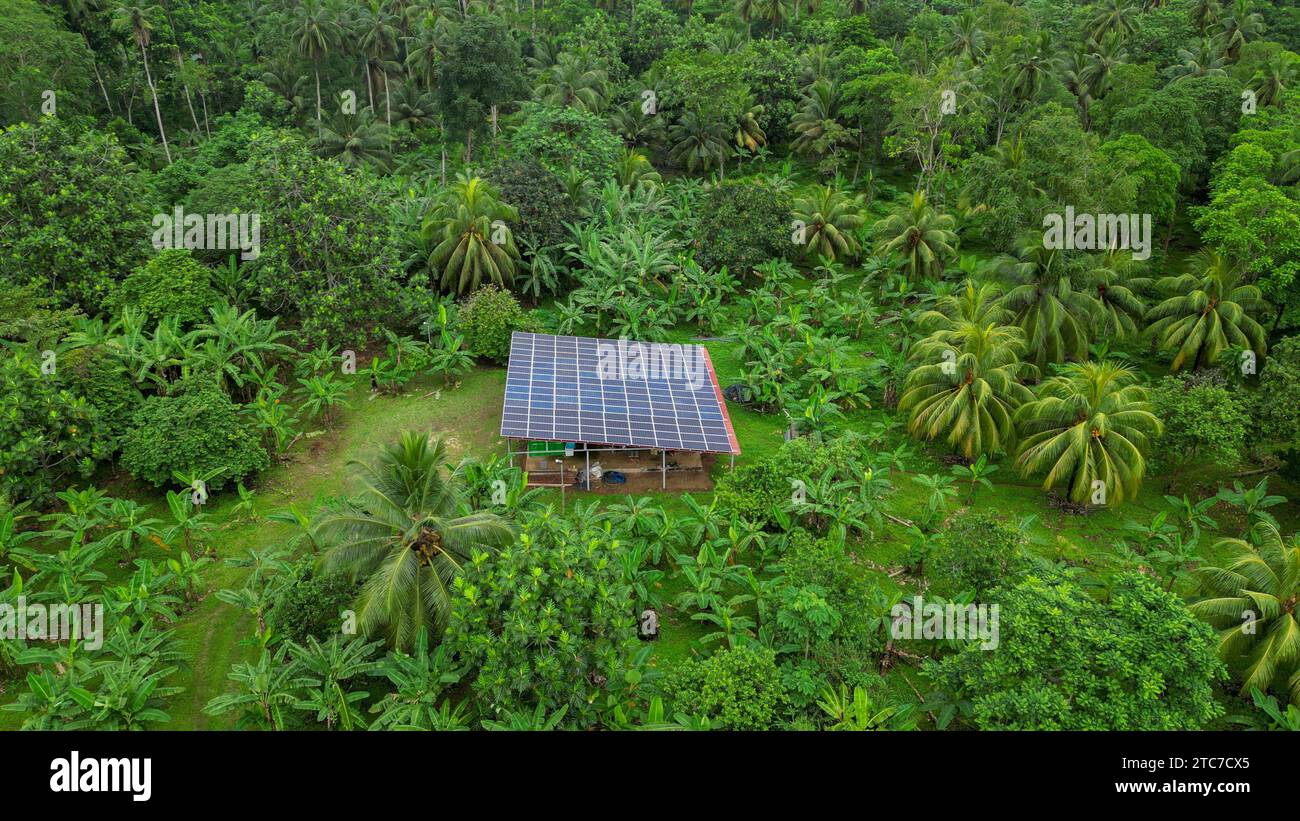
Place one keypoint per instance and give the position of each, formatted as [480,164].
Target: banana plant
[188,524]
[130,528]
[12,540]
[330,674]
[187,574]
[265,691]
[734,630]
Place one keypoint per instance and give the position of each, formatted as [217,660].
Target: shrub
[754,491]
[75,212]
[973,553]
[94,373]
[487,318]
[195,429]
[173,283]
[547,622]
[47,433]
[738,689]
[559,137]
[1278,416]
[1203,420]
[742,225]
[311,606]
[538,197]
[1065,661]
[850,652]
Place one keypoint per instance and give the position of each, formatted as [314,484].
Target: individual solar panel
[614,392]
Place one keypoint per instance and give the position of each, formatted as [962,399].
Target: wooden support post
[663,467]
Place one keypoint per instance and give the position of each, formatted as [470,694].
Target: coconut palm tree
[749,11]
[634,169]
[922,237]
[374,32]
[1119,16]
[1119,311]
[698,142]
[967,389]
[1206,60]
[316,32]
[137,20]
[816,119]
[1205,14]
[750,136]
[407,535]
[1240,24]
[967,39]
[471,244]
[425,48]
[355,139]
[1031,65]
[776,12]
[1048,305]
[1103,58]
[573,82]
[1272,80]
[829,217]
[980,304]
[1254,601]
[1208,312]
[1090,424]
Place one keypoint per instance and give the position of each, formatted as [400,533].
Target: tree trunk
[316,69]
[388,110]
[370,90]
[102,89]
[188,100]
[157,111]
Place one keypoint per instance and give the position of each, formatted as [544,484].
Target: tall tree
[407,534]
[316,33]
[137,20]
[1253,601]
[967,388]
[1089,425]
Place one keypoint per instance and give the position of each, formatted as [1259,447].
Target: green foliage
[546,623]
[756,491]
[48,434]
[538,198]
[93,372]
[1278,399]
[1204,420]
[830,617]
[78,213]
[1065,661]
[38,54]
[561,138]
[311,606]
[742,225]
[973,552]
[480,70]
[173,283]
[736,689]
[487,318]
[329,261]
[195,429]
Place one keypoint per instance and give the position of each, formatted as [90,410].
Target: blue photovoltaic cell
[611,392]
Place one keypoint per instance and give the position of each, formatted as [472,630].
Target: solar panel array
[614,392]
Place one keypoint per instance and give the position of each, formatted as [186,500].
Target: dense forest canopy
[1004,295]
